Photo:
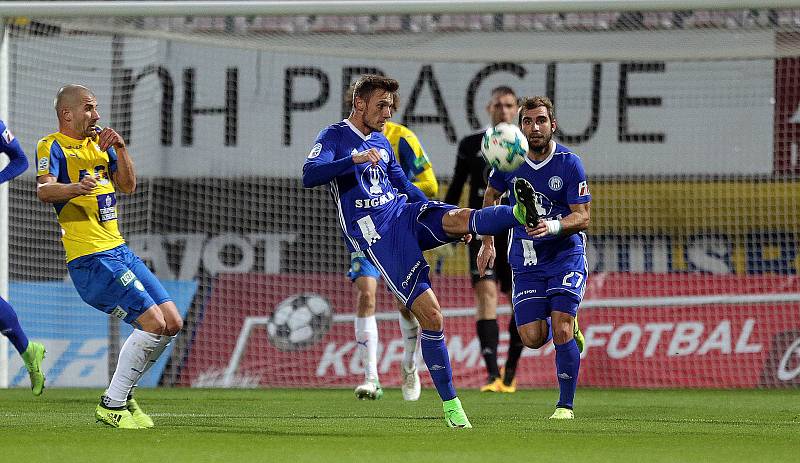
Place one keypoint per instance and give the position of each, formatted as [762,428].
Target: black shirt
[469,165]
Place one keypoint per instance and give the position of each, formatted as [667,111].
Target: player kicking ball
[383,215]
[547,254]
[79,170]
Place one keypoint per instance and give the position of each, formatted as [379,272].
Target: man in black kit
[470,165]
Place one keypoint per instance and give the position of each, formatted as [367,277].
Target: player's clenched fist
[86,185]
[371,155]
[109,137]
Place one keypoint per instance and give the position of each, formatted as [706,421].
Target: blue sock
[434,351]
[568,362]
[492,220]
[9,326]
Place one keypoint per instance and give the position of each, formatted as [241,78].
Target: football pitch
[330,425]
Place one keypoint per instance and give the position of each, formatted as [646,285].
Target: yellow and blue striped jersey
[412,157]
[88,222]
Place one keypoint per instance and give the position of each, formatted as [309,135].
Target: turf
[276,425]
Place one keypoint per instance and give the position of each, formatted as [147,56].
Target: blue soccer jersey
[559,181]
[9,145]
[367,197]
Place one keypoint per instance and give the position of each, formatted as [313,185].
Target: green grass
[276,425]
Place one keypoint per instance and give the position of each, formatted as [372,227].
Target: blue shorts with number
[360,266]
[532,290]
[117,282]
[398,253]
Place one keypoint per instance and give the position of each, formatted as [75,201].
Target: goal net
[686,122]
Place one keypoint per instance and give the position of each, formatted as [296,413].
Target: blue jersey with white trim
[368,198]
[559,181]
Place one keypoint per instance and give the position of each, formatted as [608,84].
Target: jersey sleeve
[9,145]
[50,159]
[497,180]
[577,186]
[112,159]
[321,165]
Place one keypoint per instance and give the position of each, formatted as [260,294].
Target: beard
[539,145]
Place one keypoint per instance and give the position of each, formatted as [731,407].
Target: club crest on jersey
[555,183]
[8,136]
[583,189]
[315,151]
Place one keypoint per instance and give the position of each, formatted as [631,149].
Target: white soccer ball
[299,321]
[504,147]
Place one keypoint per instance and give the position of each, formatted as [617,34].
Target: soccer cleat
[454,414]
[371,390]
[507,388]
[578,335]
[562,414]
[142,419]
[492,385]
[410,387]
[121,419]
[33,357]
[525,208]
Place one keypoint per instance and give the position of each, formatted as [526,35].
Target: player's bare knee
[561,335]
[431,319]
[173,327]
[366,304]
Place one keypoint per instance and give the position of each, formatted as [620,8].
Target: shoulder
[48,142]
[567,155]
[398,130]
[471,142]
[331,131]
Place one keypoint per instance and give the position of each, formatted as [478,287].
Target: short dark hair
[503,90]
[532,102]
[368,83]
[348,98]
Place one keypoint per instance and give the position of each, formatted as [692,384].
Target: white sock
[159,349]
[134,357]
[410,330]
[367,345]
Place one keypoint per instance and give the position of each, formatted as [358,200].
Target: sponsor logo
[407,279]
[436,367]
[315,151]
[555,183]
[107,207]
[138,285]
[564,376]
[583,189]
[8,136]
[375,202]
[44,164]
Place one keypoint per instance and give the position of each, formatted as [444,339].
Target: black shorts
[501,271]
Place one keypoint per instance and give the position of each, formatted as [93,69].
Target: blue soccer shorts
[398,253]
[533,291]
[117,282]
[360,266]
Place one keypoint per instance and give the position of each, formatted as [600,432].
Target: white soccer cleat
[411,387]
[369,391]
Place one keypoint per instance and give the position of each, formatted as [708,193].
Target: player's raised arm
[18,162]
[123,173]
[49,164]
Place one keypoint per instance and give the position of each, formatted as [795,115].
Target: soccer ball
[504,147]
[299,321]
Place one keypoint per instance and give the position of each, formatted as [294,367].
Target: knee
[155,326]
[562,334]
[531,339]
[431,318]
